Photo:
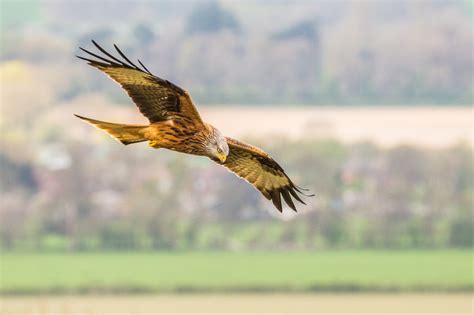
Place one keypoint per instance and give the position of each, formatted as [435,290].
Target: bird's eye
[219,150]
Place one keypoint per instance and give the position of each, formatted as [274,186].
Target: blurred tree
[307,29]
[211,17]
[16,174]
[462,229]
[144,34]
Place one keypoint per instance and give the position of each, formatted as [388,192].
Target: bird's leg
[154,144]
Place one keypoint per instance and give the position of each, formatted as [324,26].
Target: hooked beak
[222,157]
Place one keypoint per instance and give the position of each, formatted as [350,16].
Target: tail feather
[127,134]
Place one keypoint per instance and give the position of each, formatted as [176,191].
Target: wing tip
[88,120]
[288,200]
[288,193]
[112,61]
[276,199]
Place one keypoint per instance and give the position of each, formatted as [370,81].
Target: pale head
[217,147]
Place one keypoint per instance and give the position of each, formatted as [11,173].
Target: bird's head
[217,146]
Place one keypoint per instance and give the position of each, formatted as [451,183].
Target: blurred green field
[426,270]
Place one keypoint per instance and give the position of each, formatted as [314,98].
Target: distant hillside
[258,52]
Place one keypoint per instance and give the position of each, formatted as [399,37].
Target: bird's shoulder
[240,145]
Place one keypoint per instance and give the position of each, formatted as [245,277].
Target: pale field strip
[242,304]
[426,126]
[386,126]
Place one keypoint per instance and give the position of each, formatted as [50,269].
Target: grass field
[440,270]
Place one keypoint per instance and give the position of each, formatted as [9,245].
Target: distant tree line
[80,197]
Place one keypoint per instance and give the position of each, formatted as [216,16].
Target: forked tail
[127,134]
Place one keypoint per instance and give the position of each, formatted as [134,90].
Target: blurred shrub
[54,243]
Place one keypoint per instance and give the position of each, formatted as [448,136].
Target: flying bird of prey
[175,124]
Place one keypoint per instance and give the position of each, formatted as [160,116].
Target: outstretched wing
[259,169]
[157,99]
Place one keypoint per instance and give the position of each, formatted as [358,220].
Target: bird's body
[178,134]
[174,135]
[175,124]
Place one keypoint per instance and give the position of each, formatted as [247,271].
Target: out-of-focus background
[366,103]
